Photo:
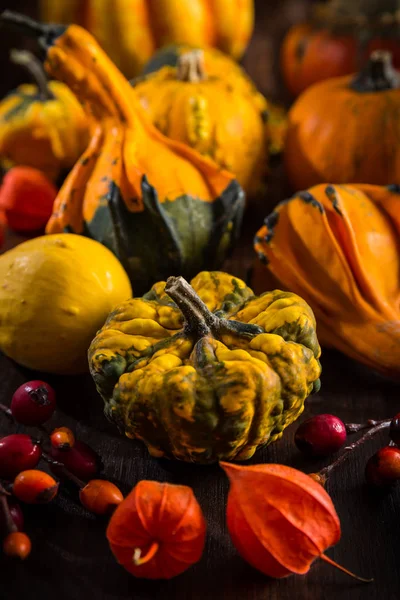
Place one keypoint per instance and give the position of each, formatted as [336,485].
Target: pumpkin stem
[191,66]
[378,75]
[138,559]
[46,34]
[34,66]
[200,321]
[334,564]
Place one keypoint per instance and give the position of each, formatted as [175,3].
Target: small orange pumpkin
[347,129]
[337,39]
[219,116]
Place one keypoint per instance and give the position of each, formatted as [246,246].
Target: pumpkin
[160,206]
[42,126]
[347,268]
[131,30]
[206,371]
[218,65]
[337,40]
[346,129]
[209,113]
[56,292]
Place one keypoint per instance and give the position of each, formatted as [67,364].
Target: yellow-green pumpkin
[206,372]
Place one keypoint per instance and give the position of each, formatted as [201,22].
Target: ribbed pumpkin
[337,40]
[131,30]
[347,129]
[219,66]
[160,206]
[338,247]
[42,126]
[217,115]
[209,371]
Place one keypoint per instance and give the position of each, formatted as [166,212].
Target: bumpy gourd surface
[203,399]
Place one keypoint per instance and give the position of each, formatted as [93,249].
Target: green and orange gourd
[207,371]
[160,206]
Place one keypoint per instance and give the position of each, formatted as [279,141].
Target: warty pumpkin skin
[347,129]
[207,372]
[42,126]
[160,206]
[338,247]
[130,31]
[211,114]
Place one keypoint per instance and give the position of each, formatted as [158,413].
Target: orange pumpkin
[336,41]
[347,129]
[219,116]
[338,248]
[131,30]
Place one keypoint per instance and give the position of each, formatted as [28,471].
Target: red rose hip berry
[81,460]
[33,403]
[383,468]
[321,435]
[18,452]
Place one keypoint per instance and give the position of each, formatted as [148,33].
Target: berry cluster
[323,435]
[32,405]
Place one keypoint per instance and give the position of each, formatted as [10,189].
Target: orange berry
[62,438]
[100,497]
[35,487]
[17,545]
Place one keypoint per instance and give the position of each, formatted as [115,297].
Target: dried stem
[191,67]
[356,427]
[343,569]
[5,509]
[30,62]
[63,470]
[325,473]
[4,409]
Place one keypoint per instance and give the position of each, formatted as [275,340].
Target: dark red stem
[63,469]
[5,509]
[325,473]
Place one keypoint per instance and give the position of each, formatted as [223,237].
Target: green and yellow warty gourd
[206,372]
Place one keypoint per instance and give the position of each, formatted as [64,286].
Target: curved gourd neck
[378,75]
[34,66]
[191,67]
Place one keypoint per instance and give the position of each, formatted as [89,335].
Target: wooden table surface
[70,558]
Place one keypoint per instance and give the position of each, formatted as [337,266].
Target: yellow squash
[55,293]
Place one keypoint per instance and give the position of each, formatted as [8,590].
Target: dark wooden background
[70,558]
